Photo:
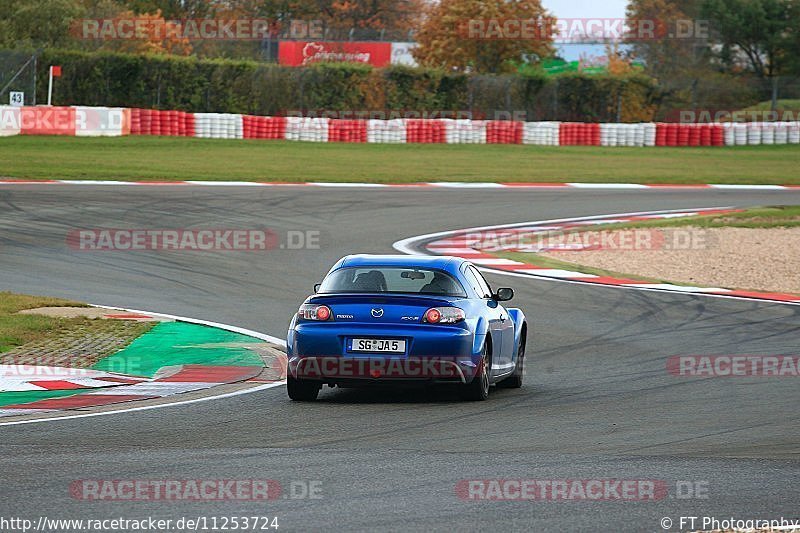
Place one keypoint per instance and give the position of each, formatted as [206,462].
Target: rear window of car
[392,280]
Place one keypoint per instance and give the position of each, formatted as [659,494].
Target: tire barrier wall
[693,134]
[114,122]
[579,134]
[541,133]
[307,129]
[218,126]
[263,127]
[155,122]
[387,131]
[628,134]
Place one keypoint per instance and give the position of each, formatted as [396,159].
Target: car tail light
[314,312]
[444,315]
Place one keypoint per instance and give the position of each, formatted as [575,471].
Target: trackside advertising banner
[102,121]
[9,120]
[298,53]
[47,121]
[80,121]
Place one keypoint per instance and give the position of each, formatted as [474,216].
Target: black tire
[514,381]
[301,390]
[477,390]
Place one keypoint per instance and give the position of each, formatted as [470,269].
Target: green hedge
[190,84]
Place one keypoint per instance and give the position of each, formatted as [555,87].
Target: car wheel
[514,381]
[301,390]
[477,390]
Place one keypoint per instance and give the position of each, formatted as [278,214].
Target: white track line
[235,329]
[607,185]
[408,246]
[749,187]
[413,185]
[146,407]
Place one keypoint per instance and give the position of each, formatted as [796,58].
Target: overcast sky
[586,8]
[583,9]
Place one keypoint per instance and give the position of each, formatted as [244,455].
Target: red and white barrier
[44,121]
[579,134]
[386,131]
[793,132]
[504,132]
[218,126]
[670,134]
[9,120]
[627,134]
[254,127]
[426,131]
[464,131]
[541,133]
[24,378]
[347,131]
[155,122]
[113,122]
[307,129]
[102,121]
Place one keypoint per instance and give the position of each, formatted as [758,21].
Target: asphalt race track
[597,402]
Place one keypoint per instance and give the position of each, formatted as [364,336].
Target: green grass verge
[176,158]
[16,330]
[757,217]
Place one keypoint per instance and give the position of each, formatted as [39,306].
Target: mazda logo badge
[377,313]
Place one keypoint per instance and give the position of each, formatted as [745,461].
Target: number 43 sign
[17,98]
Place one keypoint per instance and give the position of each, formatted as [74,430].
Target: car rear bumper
[360,370]
[422,340]
[434,354]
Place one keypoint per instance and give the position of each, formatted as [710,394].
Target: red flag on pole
[56,70]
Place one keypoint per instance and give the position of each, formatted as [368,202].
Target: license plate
[377,345]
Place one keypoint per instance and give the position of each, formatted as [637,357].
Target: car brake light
[314,312]
[444,315]
[323,312]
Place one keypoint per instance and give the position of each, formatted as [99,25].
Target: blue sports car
[403,319]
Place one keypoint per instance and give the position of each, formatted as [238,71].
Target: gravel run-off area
[741,258]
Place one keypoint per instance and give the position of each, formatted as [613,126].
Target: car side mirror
[504,294]
[316,287]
